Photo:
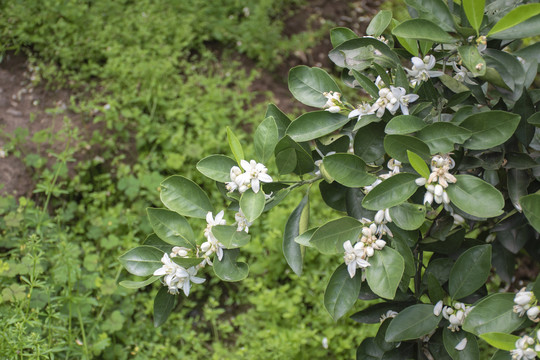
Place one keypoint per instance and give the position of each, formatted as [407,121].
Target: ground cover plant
[144,104]
[432,178]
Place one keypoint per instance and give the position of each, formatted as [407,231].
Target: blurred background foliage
[152,85]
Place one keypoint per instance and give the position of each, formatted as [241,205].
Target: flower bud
[438,308]
[379,217]
[445,198]
[523,297]
[420,181]
[438,199]
[428,198]
[438,190]
[379,244]
[533,312]
[369,251]
[387,215]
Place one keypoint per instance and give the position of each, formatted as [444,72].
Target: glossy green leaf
[452,339]
[341,34]
[330,237]
[397,146]
[296,224]
[308,85]
[408,216]
[412,323]
[493,314]
[475,196]
[531,208]
[348,170]
[385,272]
[286,161]
[315,124]
[474,9]
[341,292]
[216,167]
[391,192]
[500,340]
[163,306]
[440,137]
[154,241]
[404,124]
[367,144]
[418,164]
[470,271]
[230,237]
[304,161]
[282,121]
[235,146]
[453,85]
[128,284]
[435,11]
[373,314]
[515,16]
[142,260]
[252,204]
[265,139]
[305,238]
[527,28]
[534,119]
[435,290]
[379,23]
[473,60]
[228,269]
[366,84]
[187,262]
[501,355]
[422,29]
[185,197]
[359,54]
[171,227]
[517,182]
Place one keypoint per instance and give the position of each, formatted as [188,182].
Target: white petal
[352,269]
[197,280]
[347,245]
[438,308]
[219,253]
[160,271]
[255,186]
[461,345]
[219,217]
[265,178]
[245,165]
[354,113]
[417,62]
[186,287]
[209,218]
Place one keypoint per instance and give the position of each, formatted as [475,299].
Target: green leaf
[379,23]
[304,161]
[282,121]
[470,271]
[412,323]
[308,85]
[501,355]
[292,249]
[341,34]
[367,144]
[440,137]
[418,164]
[366,84]
[138,284]
[514,17]
[489,128]
[385,272]
[534,119]
[315,124]
[235,146]
[404,124]
[451,339]
[433,10]
[471,59]
[329,238]
[286,161]
[500,340]
[348,170]
[265,139]
[453,85]
[216,167]
[171,227]
[493,314]
[229,237]
[228,269]
[154,241]
[142,260]
[408,216]
[391,192]
[341,292]
[187,262]
[163,306]
[397,146]
[527,28]
[474,9]
[359,54]
[305,238]
[422,29]
[475,197]
[185,197]
[252,204]
[531,208]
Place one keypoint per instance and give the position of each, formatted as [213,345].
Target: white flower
[179,251]
[255,173]
[456,315]
[363,109]
[168,268]
[212,245]
[421,69]
[333,102]
[354,257]
[523,301]
[386,100]
[241,222]
[394,165]
[402,100]
[379,83]
[461,345]
[211,222]
[325,342]
[388,315]
[177,277]
[522,350]
[462,75]
[234,173]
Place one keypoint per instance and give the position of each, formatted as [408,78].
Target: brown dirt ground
[23,105]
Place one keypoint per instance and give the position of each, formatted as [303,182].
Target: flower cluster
[356,256]
[524,348]
[212,245]
[392,99]
[176,276]
[421,69]
[526,302]
[254,174]
[455,314]
[333,103]
[438,180]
